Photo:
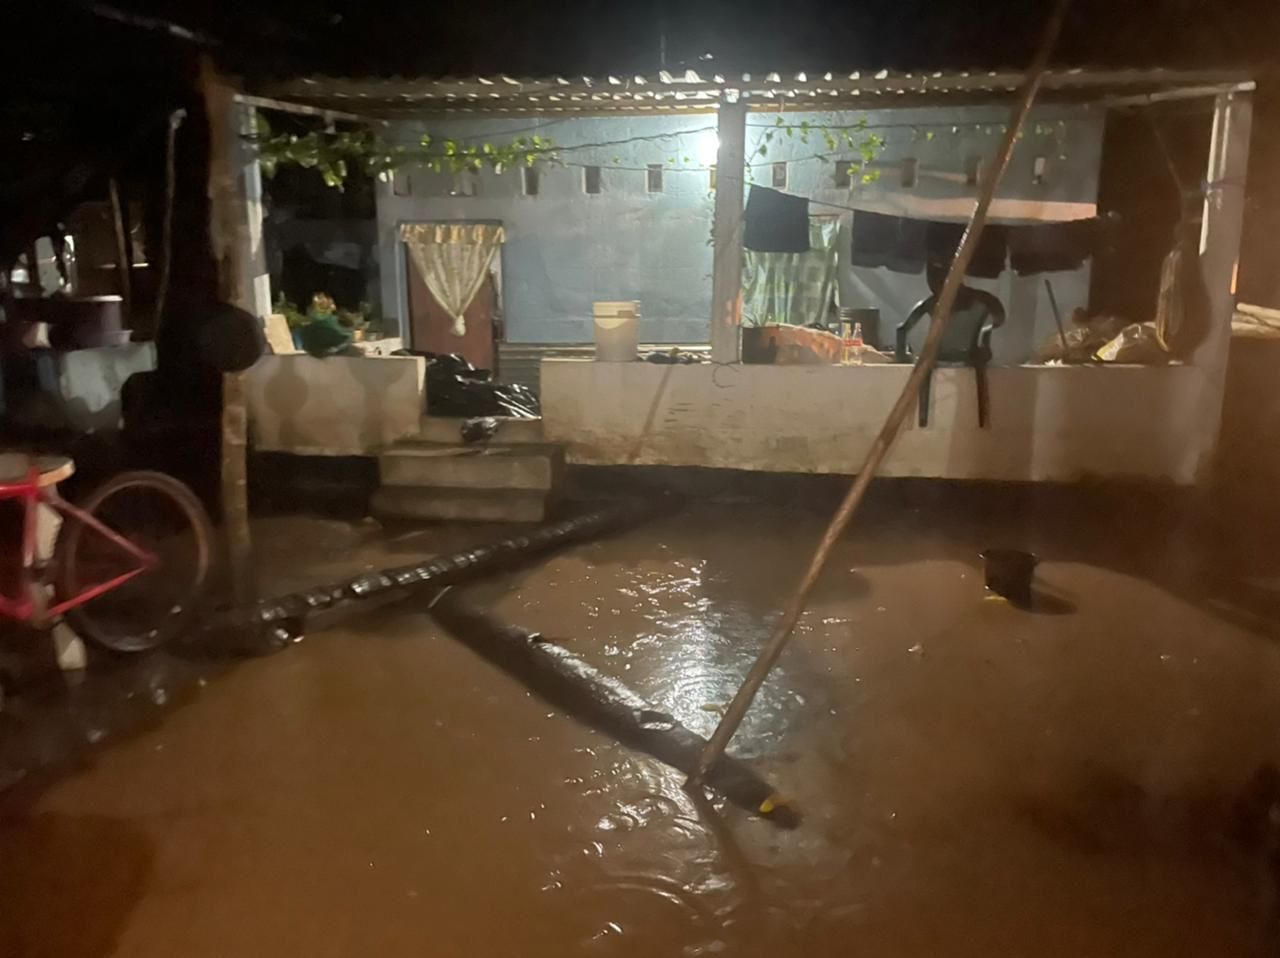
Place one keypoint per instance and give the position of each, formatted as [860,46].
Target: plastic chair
[966,342]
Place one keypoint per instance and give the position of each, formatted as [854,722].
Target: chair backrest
[970,315]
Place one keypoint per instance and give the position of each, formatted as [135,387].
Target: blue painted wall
[566,249]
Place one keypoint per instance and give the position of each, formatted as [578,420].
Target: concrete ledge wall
[339,406]
[1047,423]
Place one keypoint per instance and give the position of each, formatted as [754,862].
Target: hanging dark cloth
[1051,247]
[943,239]
[775,222]
[893,242]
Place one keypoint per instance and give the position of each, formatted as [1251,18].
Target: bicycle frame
[30,494]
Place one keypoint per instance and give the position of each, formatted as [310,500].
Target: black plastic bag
[478,430]
[457,388]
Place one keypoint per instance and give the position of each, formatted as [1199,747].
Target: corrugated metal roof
[690,90]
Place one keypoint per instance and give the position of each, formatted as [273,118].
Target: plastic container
[1009,573]
[617,328]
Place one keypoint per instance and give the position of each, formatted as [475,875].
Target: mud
[976,778]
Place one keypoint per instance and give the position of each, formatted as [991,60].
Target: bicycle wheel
[160,515]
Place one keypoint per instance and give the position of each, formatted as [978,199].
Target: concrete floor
[975,779]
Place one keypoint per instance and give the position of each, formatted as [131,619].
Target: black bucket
[1009,573]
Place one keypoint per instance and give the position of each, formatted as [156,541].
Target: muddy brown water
[975,779]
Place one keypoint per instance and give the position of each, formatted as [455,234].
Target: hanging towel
[943,239]
[872,237]
[775,222]
[1051,247]
[889,241]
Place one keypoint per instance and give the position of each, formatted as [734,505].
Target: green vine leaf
[335,154]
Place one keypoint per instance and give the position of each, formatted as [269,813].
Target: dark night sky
[438,37]
[70,65]
[74,71]
[602,36]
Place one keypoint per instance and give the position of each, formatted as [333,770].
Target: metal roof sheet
[691,90]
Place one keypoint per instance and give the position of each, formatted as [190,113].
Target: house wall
[1054,423]
[336,406]
[566,249]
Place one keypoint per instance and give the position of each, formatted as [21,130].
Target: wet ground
[975,779]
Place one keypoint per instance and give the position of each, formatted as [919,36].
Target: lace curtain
[453,260]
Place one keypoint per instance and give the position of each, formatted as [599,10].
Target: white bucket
[617,327]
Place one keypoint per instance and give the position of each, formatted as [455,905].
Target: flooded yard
[974,779]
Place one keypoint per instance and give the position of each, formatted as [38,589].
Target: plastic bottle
[855,345]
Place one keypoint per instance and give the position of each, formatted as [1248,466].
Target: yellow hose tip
[779,811]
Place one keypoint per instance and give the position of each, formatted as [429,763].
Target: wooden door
[432,328]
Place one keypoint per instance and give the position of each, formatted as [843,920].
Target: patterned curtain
[453,259]
[792,288]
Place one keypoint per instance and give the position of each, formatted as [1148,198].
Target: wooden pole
[737,709]
[124,258]
[1057,318]
[166,224]
[726,269]
[1224,204]
[231,242]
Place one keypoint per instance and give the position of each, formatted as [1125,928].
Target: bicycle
[129,567]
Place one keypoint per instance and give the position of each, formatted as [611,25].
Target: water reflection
[386,791]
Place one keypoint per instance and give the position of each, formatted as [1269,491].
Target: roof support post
[726,272]
[1220,244]
[235,228]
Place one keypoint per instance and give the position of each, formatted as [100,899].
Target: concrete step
[527,467]
[511,431]
[466,505]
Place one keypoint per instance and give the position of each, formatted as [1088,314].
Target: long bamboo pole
[737,709]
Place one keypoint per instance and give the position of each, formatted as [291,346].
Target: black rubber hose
[602,702]
[464,566]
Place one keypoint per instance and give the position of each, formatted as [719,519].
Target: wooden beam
[235,227]
[1220,245]
[1180,93]
[302,109]
[726,270]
